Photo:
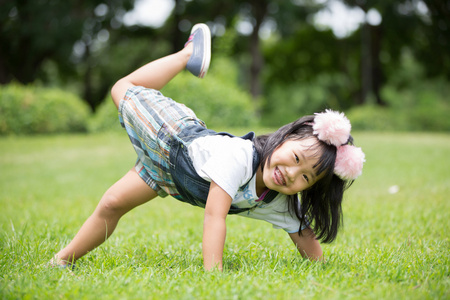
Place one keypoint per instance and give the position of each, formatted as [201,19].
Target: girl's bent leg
[127,193]
[155,74]
[195,56]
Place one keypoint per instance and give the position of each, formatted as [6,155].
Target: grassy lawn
[395,243]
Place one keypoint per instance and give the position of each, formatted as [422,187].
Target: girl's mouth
[278,177]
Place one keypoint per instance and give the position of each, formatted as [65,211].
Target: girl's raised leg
[195,56]
[127,193]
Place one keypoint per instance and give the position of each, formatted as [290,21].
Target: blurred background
[385,63]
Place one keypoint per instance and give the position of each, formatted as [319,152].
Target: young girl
[256,177]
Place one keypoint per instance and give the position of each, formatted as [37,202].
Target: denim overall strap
[250,136]
[270,196]
[190,186]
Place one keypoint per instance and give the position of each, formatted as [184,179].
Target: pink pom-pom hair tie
[334,128]
[349,162]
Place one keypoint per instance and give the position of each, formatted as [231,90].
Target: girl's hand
[307,244]
[214,226]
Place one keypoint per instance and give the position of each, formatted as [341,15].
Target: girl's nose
[292,173]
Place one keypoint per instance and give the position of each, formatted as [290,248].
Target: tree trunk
[366,64]
[5,76]
[256,64]
[87,80]
[259,10]
[377,70]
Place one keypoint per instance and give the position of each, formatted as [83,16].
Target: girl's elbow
[315,255]
[213,218]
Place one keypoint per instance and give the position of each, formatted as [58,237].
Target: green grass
[393,246]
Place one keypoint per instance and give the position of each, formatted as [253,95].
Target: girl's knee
[111,206]
[119,89]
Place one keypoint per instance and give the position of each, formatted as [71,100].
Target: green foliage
[36,110]
[373,117]
[89,46]
[105,118]
[424,104]
[217,99]
[303,56]
[286,103]
[394,244]
[32,33]
[413,105]
[421,118]
[303,76]
[110,63]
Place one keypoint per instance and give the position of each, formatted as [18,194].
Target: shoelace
[190,39]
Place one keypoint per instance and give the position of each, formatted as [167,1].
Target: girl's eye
[306,178]
[297,160]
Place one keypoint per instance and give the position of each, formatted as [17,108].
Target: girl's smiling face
[291,167]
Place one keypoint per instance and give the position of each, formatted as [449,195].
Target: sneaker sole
[207,46]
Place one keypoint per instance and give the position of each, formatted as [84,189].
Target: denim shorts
[191,188]
[152,121]
[160,131]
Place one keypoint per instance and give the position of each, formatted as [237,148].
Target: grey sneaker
[198,63]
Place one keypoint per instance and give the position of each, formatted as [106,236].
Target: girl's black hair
[321,203]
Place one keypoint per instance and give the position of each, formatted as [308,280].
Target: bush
[106,117]
[372,117]
[217,99]
[38,110]
[414,103]
[422,107]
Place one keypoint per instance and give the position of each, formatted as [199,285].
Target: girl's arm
[307,244]
[214,227]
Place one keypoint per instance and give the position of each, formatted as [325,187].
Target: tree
[35,32]
[287,15]
[436,37]
[424,29]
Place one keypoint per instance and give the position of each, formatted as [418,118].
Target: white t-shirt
[228,161]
